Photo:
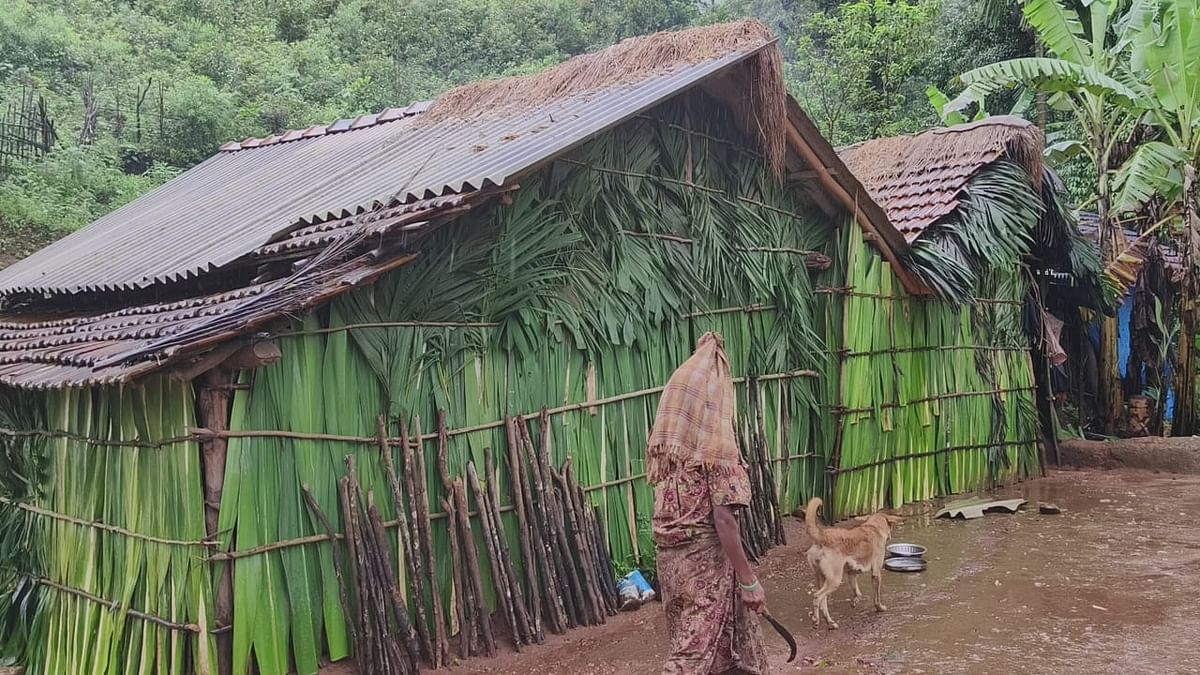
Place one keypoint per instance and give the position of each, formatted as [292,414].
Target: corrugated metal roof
[92,348]
[239,201]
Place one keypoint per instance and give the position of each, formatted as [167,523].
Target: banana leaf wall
[593,284]
[123,457]
[933,398]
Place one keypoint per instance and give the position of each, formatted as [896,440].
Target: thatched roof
[917,179]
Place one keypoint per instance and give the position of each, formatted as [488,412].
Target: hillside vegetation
[139,90]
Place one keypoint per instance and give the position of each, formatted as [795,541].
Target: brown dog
[836,551]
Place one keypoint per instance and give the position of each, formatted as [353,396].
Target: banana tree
[1088,75]
[1165,39]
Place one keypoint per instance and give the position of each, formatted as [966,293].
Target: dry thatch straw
[763,95]
[935,166]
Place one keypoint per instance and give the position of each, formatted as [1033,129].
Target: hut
[951,390]
[1147,275]
[416,354]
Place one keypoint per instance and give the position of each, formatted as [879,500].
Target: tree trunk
[1112,404]
[1184,423]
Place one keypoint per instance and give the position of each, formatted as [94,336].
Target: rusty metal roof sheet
[97,348]
[917,179]
[247,197]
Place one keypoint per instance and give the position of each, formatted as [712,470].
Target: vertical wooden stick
[430,651]
[471,555]
[504,595]
[516,472]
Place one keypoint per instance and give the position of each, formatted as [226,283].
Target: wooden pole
[414,468]
[431,651]
[213,406]
[504,594]
[471,557]
[461,607]
[524,624]
[516,471]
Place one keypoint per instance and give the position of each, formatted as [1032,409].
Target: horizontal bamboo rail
[820,260]
[206,434]
[837,410]
[718,193]
[99,525]
[850,292]
[114,606]
[929,453]
[948,348]
[479,324]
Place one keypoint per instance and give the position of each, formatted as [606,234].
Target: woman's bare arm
[730,534]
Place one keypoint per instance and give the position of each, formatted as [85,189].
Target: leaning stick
[516,472]
[412,565]
[514,583]
[471,554]
[560,533]
[339,564]
[591,599]
[426,529]
[504,595]
[559,603]
[461,607]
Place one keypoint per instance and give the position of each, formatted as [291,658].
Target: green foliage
[23,474]
[71,187]
[854,67]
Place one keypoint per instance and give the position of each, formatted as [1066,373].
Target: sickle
[783,632]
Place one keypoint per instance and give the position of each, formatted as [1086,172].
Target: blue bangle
[751,588]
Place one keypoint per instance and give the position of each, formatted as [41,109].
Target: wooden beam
[213,409]
[868,214]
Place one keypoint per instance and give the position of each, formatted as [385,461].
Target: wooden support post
[213,404]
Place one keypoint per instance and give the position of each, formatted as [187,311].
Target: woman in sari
[710,592]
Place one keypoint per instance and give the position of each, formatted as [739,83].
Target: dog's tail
[815,531]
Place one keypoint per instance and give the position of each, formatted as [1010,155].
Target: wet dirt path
[1109,586]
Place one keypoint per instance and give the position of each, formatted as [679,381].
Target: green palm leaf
[1046,74]
[1152,170]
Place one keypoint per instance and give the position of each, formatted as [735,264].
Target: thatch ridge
[632,61]
[917,178]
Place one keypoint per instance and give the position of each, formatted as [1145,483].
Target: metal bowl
[906,550]
[902,564]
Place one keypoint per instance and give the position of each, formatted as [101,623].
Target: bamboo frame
[207,434]
[717,193]
[105,527]
[823,265]
[114,606]
[929,453]
[943,397]
[850,292]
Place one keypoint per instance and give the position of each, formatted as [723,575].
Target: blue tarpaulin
[1124,346]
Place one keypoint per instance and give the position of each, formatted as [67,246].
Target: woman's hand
[754,597]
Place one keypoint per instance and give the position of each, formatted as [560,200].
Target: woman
[710,591]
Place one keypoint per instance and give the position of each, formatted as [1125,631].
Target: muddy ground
[1106,587]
